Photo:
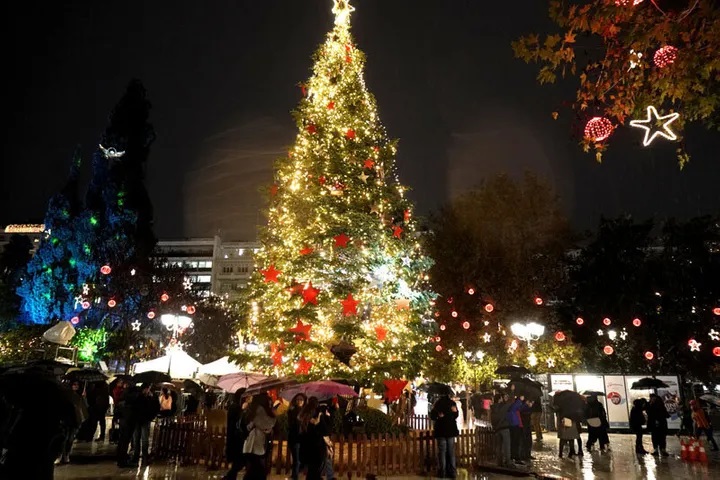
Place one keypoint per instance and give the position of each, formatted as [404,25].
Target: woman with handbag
[568,434]
[261,420]
[597,424]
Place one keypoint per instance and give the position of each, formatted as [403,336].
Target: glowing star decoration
[86,289]
[600,333]
[79,300]
[623,334]
[363,177]
[341,240]
[164,297]
[665,56]
[714,334]
[349,305]
[301,331]
[651,125]
[406,261]
[649,355]
[342,10]
[486,338]
[136,325]
[310,294]
[550,363]
[598,129]
[303,367]
[271,274]
[187,283]
[105,269]
[111,153]
[380,333]
[402,303]
[694,345]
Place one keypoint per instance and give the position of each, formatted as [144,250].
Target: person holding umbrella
[597,424]
[501,426]
[637,420]
[445,413]
[702,424]
[236,434]
[146,408]
[657,424]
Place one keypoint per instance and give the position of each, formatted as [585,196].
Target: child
[637,420]
[702,424]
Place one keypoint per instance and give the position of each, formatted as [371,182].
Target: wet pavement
[95,461]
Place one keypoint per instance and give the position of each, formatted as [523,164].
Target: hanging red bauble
[311,129]
[164,297]
[598,129]
[350,134]
[450,299]
[380,333]
[270,274]
[608,350]
[579,321]
[538,301]
[112,303]
[437,339]
[489,307]
[349,305]
[454,314]
[716,351]
[607,321]
[466,325]
[471,291]
[438,348]
[560,336]
[442,327]
[190,309]
[637,322]
[341,240]
[665,56]
[649,355]
[151,315]
[716,311]
[75,320]
[105,269]
[85,305]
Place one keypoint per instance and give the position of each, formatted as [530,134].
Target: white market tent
[177,363]
[221,366]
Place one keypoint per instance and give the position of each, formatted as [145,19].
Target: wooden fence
[192,442]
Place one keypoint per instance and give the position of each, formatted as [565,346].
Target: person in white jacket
[261,420]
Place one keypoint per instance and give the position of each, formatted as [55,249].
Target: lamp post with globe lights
[528,332]
[175,323]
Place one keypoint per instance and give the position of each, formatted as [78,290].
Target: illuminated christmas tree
[341,288]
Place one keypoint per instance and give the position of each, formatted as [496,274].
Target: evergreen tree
[47,287]
[342,283]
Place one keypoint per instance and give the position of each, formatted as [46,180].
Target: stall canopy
[221,366]
[176,363]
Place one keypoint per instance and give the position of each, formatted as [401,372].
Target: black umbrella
[593,393]
[119,378]
[436,388]
[512,370]
[191,386]
[648,383]
[50,368]
[85,375]
[570,404]
[526,387]
[151,377]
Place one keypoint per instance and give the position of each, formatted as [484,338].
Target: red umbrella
[393,389]
[322,389]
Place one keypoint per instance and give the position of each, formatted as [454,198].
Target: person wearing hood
[445,413]
[702,424]
[597,424]
[637,420]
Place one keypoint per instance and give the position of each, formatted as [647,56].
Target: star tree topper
[342,10]
[651,125]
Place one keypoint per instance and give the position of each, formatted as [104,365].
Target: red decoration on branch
[331,106]
[649,355]
[341,240]
[380,333]
[442,327]
[274,189]
[164,297]
[310,294]
[560,336]
[151,315]
[348,59]
[598,129]
[190,309]
[489,308]
[349,305]
[369,163]
[301,331]
[271,274]
[105,269]
[579,321]
[716,351]
[303,89]
[608,350]
[665,56]
[538,301]
[303,367]
[406,216]
[75,320]
[466,325]
[394,389]
[276,353]
[716,311]
[636,322]
[350,134]
[607,321]
[85,305]
[311,129]
[438,348]
[454,314]
[112,303]
[397,232]
[306,251]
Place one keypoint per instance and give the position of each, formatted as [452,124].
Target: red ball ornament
[105,269]
[438,348]
[442,327]
[560,336]
[716,351]
[466,325]
[538,301]
[350,134]
[454,314]
[665,56]
[489,308]
[637,322]
[190,309]
[598,129]
[164,297]
[649,355]
[608,350]
[471,291]
[437,339]
[112,303]
[86,304]
[151,315]
[607,321]
[716,311]
[579,321]
[75,320]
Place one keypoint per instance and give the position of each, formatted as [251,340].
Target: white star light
[600,333]
[78,301]
[111,153]
[342,10]
[406,261]
[86,289]
[486,338]
[550,363]
[187,283]
[714,334]
[623,334]
[136,325]
[694,345]
[364,177]
[650,125]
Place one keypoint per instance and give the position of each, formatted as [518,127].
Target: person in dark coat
[526,440]
[99,408]
[315,443]
[516,429]
[501,426]
[191,405]
[445,413]
[657,416]
[637,420]
[127,420]
[597,424]
[296,405]
[236,434]
[146,407]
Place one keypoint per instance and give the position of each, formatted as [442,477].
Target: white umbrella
[208,379]
[221,366]
[236,381]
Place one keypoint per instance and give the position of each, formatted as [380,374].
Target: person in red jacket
[702,424]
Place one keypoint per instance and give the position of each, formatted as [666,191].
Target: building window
[243,268]
[227,269]
[204,279]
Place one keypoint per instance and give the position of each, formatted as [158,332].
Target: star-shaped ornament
[402,303]
[303,367]
[714,334]
[270,274]
[406,261]
[600,333]
[136,325]
[406,216]
[306,251]
[394,389]
[694,345]
[380,333]
[350,134]
[364,177]
[187,283]
[79,301]
[349,305]
[550,363]
[369,163]
[310,294]
[655,125]
[486,338]
[331,105]
[276,353]
[397,232]
[86,289]
[301,331]
[341,240]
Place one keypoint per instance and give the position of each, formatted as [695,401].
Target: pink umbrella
[322,389]
[235,381]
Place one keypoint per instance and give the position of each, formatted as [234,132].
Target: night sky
[222,76]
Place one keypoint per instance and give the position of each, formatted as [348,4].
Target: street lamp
[527,331]
[175,323]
